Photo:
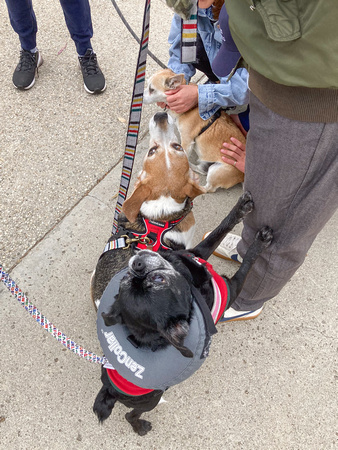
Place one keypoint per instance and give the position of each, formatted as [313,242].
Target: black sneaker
[93,78]
[24,74]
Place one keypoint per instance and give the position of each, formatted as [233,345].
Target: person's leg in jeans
[79,23]
[23,21]
[291,172]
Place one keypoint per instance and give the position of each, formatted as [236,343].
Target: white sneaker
[232,315]
[227,249]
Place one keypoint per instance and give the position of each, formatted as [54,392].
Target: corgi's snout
[161,123]
[161,117]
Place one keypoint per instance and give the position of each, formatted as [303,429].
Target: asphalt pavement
[269,383]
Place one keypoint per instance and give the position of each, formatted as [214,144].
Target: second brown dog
[205,136]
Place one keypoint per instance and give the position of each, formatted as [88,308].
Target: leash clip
[143,240]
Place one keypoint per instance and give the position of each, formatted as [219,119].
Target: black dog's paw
[245,204]
[143,427]
[140,426]
[265,235]
[104,403]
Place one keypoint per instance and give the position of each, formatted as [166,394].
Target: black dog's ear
[113,316]
[175,335]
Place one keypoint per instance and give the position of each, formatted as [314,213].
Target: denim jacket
[211,97]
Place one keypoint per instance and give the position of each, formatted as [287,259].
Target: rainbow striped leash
[188,55]
[134,116]
[189,37]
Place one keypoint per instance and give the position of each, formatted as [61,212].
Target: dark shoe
[24,74]
[93,78]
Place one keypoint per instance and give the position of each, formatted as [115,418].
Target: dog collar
[140,365]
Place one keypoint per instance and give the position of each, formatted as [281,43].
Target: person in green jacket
[291,168]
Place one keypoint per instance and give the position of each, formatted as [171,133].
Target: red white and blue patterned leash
[132,135]
[131,142]
[45,323]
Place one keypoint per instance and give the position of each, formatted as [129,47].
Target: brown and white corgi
[158,212]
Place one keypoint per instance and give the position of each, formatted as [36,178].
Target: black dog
[154,302]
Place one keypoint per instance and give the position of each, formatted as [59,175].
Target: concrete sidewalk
[268,384]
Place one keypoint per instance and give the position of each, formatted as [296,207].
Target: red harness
[151,239]
[155,232]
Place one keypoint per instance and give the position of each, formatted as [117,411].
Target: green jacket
[291,42]
[291,48]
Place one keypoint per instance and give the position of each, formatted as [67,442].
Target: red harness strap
[155,232]
[220,286]
[221,292]
[124,386]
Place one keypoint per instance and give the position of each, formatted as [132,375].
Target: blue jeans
[77,15]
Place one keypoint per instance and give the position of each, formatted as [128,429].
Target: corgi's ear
[174,81]
[193,189]
[131,206]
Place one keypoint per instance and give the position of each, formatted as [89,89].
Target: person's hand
[237,151]
[183,98]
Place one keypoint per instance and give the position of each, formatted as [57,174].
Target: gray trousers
[292,172]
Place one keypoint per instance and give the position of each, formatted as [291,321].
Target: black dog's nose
[138,267]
